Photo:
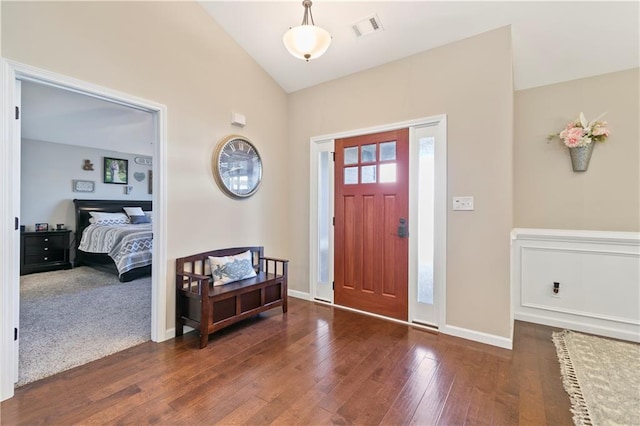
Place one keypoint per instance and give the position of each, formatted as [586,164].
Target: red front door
[371,221]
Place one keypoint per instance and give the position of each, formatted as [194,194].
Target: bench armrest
[192,275]
[267,263]
[275,259]
[190,278]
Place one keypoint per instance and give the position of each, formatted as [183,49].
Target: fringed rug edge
[570,381]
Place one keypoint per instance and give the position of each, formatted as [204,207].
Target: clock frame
[237,167]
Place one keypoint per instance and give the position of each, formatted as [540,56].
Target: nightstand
[44,251]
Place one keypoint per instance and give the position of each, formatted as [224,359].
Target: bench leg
[285,295]
[204,340]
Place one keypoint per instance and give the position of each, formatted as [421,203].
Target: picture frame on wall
[83,185]
[116,170]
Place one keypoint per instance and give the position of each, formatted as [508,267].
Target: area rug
[602,378]
[69,318]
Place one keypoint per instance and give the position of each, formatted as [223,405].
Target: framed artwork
[116,170]
[83,185]
[42,227]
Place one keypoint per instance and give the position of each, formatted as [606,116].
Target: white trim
[325,145]
[298,294]
[478,336]
[8,236]
[600,330]
[577,236]
[13,70]
[440,260]
[440,221]
[590,246]
[567,311]
[382,128]
[16,176]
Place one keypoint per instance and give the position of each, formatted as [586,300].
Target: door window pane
[387,172]
[350,175]
[351,155]
[388,151]
[368,174]
[368,153]
[426,188]
[324,217]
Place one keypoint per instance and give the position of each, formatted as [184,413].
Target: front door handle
[402,228]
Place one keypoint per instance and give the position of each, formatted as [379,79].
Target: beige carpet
[602,378]
[69,318]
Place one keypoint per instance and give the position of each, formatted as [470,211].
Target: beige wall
[471,82]
[547,193]
[173,53]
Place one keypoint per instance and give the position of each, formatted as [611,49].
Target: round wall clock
[237,167]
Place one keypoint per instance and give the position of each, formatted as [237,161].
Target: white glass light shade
[307,41]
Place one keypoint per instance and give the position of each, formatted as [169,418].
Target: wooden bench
[208,308]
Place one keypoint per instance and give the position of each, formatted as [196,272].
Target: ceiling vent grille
[367,26]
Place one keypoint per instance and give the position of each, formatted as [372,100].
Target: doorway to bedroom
[68,140]
[75,171]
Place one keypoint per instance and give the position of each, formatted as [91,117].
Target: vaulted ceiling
[552,41]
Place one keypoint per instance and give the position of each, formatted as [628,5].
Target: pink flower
[572,137]
[582,132]
[600,129]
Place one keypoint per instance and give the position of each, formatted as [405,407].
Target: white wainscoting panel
[597,275]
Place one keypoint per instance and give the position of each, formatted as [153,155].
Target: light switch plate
[463,203]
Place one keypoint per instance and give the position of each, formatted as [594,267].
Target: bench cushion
[227,269]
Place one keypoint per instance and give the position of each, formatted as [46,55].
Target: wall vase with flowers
[580,137]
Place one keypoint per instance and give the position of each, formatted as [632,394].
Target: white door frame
[440,214]
[10,199]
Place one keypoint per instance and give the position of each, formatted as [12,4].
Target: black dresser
[44,251]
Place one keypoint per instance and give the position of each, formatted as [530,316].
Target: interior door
[371,223]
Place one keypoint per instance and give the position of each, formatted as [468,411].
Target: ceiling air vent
[367,26]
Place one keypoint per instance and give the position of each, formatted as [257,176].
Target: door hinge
[17,223]
[333,285]
[333,155]
[15,334]
[17,113]
[334,221]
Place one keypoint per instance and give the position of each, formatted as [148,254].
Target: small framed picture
[42,227]
[83,185]
[116,170]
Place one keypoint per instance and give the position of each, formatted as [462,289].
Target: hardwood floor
[316,365]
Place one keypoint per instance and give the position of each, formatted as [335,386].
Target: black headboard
[83,207]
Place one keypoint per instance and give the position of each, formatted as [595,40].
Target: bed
[121,249]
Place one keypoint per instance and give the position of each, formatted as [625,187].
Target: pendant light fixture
[306,41]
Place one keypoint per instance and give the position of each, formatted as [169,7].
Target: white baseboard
[478,336]
[464,333]
[170,333]
[298,294]
[584,327]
